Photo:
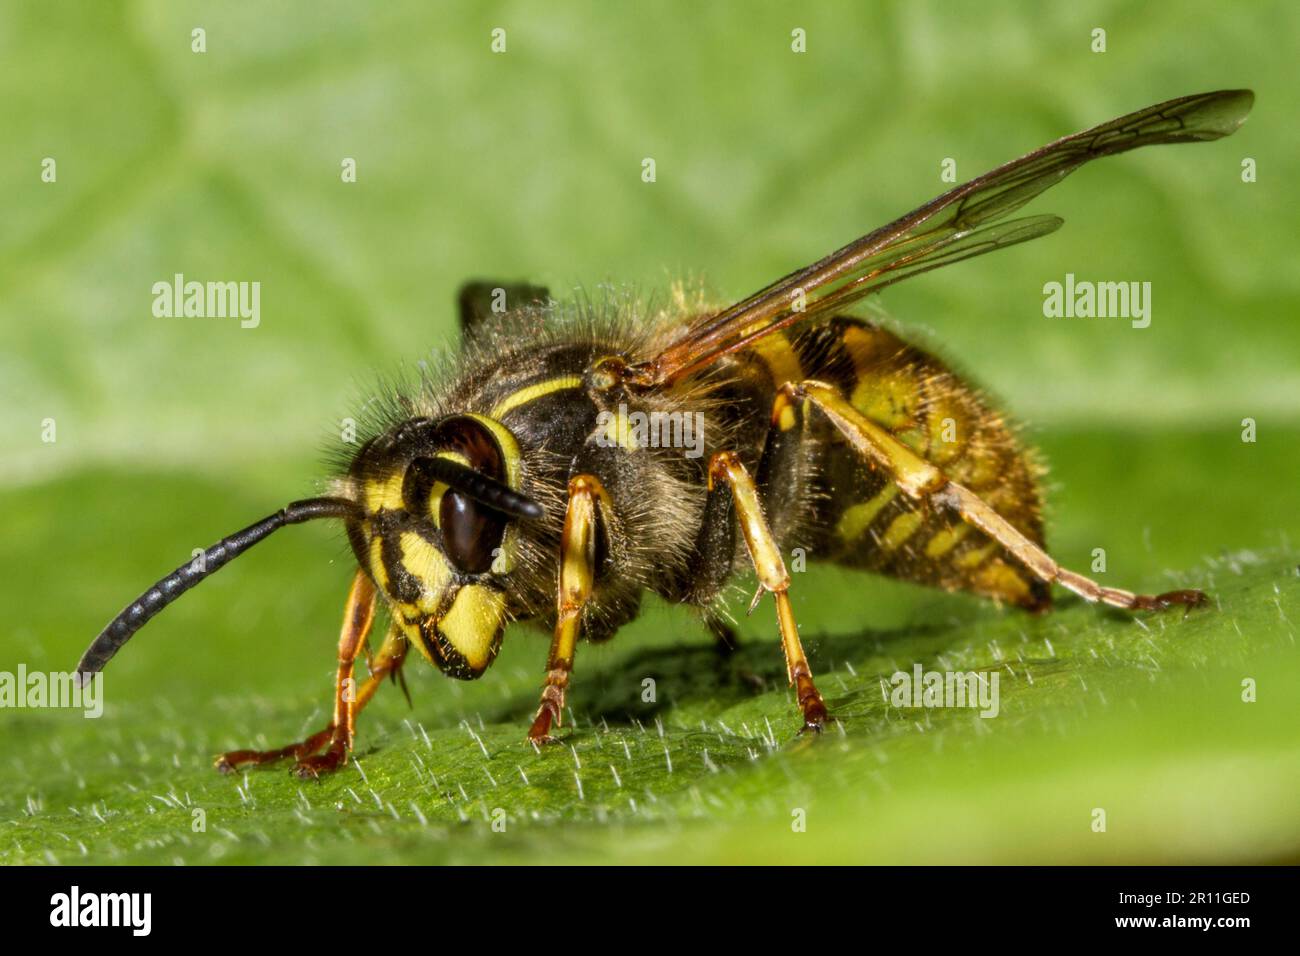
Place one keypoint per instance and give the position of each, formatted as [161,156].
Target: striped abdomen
[861,519]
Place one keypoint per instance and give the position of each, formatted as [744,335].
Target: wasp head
[437,530]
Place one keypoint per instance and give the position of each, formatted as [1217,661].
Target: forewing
[960,224]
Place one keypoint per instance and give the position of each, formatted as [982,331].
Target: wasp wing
[960,224]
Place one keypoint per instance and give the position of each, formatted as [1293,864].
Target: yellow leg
[577,578]
[358,616]
[922,481]
[772,575]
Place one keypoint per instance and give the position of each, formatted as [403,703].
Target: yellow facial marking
[377,569]
[426,564]
[455,456]
[504,561]
[857,518]
[532,392]
[384,493]
[410,626]
[472,623]
[440,488]
[509,447]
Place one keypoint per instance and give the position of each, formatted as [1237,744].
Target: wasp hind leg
[577,578]
[772,577]
[923,482]
[336,738]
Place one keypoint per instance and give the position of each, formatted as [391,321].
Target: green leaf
[1142,717]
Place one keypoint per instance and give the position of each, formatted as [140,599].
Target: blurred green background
[527,164]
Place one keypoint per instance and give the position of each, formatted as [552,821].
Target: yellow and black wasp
[518,484]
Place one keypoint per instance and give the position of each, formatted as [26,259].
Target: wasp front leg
[576,581]
[358,616]
[773,577]
[923,482]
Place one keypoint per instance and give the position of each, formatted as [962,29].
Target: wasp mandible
[515,487]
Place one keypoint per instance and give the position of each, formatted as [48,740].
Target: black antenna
[138,613]
[476,485]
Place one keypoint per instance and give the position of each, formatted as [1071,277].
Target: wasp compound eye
[471,532]
[476,503]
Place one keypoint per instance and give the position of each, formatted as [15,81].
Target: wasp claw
[815,719]
[1189,598]
[328,762]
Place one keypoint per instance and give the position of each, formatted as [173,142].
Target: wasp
[519,484]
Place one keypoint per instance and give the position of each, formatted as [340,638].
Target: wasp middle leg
[577,579]
[773,577]
[358,616]
[922,481]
